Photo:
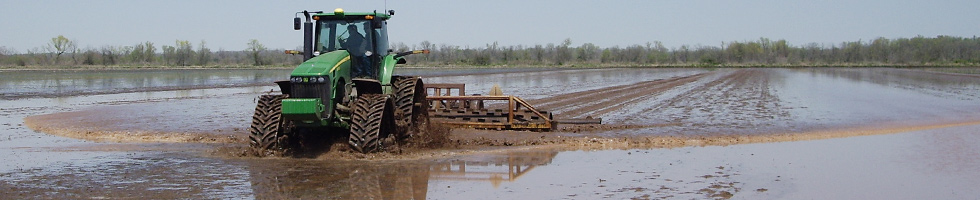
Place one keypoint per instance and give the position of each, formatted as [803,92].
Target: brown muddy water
[667,134]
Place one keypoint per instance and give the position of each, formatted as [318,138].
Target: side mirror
[296,22]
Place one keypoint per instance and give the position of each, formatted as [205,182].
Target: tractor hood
[324,64]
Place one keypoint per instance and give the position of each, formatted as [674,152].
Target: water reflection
[939,85]
[506,169]
[49,83]
[317,179]
[20,84]
[281,179]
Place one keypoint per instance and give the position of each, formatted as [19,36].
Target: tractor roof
[340,14]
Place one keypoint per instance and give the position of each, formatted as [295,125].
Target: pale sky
[230,24]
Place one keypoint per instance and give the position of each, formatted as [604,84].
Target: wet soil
[685,108]
[667,133]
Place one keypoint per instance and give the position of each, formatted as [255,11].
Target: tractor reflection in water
[305,179]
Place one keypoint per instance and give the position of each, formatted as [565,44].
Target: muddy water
[935,162]
[912,165]
[761,101]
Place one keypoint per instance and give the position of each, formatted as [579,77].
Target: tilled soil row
[598,102]
[739,100]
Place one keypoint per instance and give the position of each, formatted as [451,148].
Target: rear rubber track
[410,100]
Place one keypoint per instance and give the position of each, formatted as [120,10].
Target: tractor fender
[367,86]
[285,86]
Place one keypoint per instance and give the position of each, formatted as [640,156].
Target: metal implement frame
[461,111]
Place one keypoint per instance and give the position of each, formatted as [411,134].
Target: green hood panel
[324,64]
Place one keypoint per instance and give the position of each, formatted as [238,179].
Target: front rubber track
[372,121]
[268,131]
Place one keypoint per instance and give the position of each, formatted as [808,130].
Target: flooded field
[666,134]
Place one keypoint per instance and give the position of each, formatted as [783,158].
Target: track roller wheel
[372,122]
[268,132]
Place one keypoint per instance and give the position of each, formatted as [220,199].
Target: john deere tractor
[344,87]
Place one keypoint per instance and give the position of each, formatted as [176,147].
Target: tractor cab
[363,35]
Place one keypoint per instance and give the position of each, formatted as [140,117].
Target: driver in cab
[356,44]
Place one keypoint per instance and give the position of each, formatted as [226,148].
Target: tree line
[916,51]
[61,51]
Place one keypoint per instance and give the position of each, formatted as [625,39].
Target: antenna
[386,6]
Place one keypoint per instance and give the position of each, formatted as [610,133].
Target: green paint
[301,109]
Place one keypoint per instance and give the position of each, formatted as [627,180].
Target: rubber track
[367,122]
[408,94]
[266,122]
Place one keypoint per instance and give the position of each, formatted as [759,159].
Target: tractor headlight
[314,79]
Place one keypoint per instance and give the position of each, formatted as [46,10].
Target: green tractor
[344,87]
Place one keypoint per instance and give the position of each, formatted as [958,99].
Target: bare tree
[587,52]
[109,54]
[36,57]
[255,49]
[149,52]
[169,54]
[4,53]
[203,54]
[10,56]
[136,53]
[89,56]
[183,53]
[427,46]
[564,53]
